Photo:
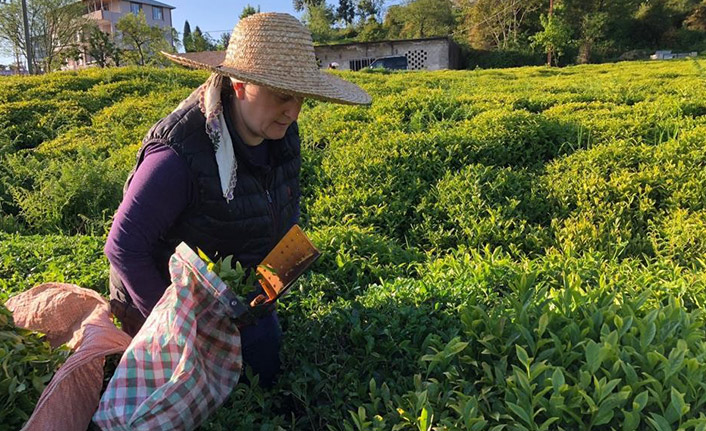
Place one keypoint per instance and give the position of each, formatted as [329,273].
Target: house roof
[153,3]
[373,42]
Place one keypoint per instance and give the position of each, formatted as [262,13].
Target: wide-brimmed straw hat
[276,51]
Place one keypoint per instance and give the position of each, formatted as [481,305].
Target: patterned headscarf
[208,96]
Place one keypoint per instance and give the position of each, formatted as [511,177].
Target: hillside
[515,249]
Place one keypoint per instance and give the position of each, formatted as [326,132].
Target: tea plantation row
[502,250]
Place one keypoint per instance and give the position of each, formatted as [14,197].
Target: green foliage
[555,36]
[29,260]
[482,205]
[142,42]
[319,18]
[249,10]
[102,48]
[28,363]
[237,278]
[420,18]
[65,194]
[557,349]
[201,41]
[52,29]
[501,249]
[353,258]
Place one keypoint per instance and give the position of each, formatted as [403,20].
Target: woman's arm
[158,193]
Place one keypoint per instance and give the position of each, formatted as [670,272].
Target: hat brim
[314,84]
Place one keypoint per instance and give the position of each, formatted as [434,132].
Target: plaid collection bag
[184,361]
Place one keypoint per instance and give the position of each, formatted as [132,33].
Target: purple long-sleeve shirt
[159,192]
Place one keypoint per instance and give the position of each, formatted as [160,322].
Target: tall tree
[554,38]
[222,42]
[319,20]
[201,41]
[249,10]
[141,41]
[697,18]
[53,27]
[371,31]
[102,48]
[188,43]
[300,5]
[420,18]
[495,24]
[599,26]
[369,9]
[346,11]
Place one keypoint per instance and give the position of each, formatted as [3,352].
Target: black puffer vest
[264,201]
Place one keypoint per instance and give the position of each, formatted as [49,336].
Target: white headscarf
[209,99]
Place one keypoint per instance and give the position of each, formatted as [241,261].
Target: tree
[697,19]
[201,41]
[555,36]
[102,48]
[495,24]
[223,42]
[319,20]
[346,11]
[300,5]
[249,10]
[188,44]
[421,18]
[372,30]
[53,28]
[141,41]
[369,9]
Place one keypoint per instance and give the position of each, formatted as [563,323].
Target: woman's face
[262,113]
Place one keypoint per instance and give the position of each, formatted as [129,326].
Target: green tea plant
[28,363]
[516,249]
[236,277]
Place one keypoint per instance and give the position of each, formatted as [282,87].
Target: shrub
[76,195]
[353,258]
[483,206]
[28,364]
[29,260]
[28,124]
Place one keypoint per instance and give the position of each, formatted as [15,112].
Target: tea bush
[29,260]
[484,205]
[66,194]
[516,249]
[28,364]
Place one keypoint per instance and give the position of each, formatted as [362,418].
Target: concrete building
[431,53]
[106,14]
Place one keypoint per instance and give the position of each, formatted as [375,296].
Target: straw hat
[275,50]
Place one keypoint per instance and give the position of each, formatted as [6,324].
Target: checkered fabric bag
[184,361]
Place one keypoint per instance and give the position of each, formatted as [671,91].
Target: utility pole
[28,42]
[551,12]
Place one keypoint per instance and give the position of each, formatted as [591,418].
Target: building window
[360,63]
[135,8]
[157,13]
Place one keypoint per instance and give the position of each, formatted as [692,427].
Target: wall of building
[432,54]
[110,14]
[124,8]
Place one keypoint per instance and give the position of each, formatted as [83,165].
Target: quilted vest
[264,203]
